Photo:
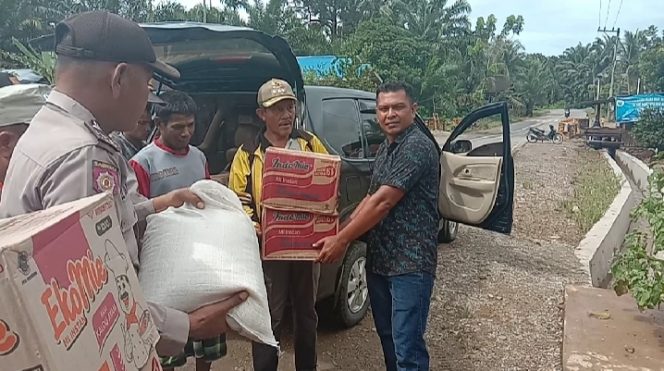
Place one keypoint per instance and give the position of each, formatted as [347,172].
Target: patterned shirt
[406,240]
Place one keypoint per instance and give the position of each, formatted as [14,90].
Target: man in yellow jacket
[283,279]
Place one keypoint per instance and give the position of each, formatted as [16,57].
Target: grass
[595,187]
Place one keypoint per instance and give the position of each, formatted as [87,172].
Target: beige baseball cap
[20,103]
[274,91]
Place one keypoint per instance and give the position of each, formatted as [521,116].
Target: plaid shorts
[209,350]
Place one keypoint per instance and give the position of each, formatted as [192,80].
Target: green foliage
[595,187]
[649,131]
[637,270]
[652,65]
[378,41]
[454,66]
[42,63]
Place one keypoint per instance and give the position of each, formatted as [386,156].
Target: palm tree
[576,71]
[170,11]
[430,19]
[634,43]
[533,83]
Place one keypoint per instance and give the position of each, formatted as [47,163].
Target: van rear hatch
[216,58]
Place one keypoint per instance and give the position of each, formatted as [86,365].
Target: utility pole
[615,61]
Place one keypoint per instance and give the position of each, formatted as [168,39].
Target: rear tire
[557,139]
[353,294]
[531,138]
[448,232]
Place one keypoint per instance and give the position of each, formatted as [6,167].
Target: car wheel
[448,231]
[353,294]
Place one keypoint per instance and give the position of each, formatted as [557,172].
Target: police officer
[104,64]
[18,105]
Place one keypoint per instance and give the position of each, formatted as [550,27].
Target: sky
[551,26]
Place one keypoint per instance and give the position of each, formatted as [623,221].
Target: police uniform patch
[105,177]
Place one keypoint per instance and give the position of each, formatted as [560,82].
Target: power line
[619,9]
[608,9]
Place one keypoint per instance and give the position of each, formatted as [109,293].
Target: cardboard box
[70,296]
[289,234]
[301,180]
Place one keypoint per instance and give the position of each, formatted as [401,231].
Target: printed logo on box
[23,264]
[67,307]
[9,339]
[291,216]
[103,225]
[278,164]
[327,171]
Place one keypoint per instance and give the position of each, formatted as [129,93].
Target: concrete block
[605,332]
[597,249]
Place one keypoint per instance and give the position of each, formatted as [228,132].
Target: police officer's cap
[20,103]
[104,36]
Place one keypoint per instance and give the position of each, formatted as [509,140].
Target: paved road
[518,130]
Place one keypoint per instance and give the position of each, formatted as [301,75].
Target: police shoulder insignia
[105,177]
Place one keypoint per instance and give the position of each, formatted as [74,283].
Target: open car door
[477,171]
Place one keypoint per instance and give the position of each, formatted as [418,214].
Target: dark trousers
[400,306]
[297,280]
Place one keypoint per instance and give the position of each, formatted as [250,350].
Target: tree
[651,65]
[169,11]
[633,45]
[430,19]
[532,83]
[25,19]
[392,51]
[650,130]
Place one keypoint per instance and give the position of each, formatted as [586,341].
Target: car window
[229,50]
[341,127]
[371,131]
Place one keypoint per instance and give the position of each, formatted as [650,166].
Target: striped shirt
[160,169]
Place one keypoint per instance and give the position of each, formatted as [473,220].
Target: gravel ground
[498,300]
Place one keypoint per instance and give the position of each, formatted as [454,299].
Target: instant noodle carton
[290,234]
[70,298]
[301,180]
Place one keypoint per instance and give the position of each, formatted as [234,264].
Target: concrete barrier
[597,249]
[636,169]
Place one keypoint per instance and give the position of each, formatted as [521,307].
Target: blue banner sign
[628,108]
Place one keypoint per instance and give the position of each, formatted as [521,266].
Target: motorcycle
[535,135]
[566,112]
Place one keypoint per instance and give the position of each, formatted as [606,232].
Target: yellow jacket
[246,175]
